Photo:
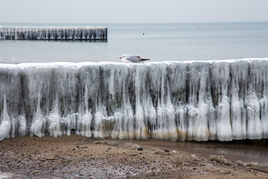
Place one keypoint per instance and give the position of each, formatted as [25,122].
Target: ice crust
[53,33]
[175,101]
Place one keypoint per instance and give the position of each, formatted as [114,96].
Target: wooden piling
[53,33]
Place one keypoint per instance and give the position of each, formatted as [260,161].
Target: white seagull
[132,58]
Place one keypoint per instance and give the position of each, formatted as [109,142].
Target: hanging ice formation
[53,33]
[200,101]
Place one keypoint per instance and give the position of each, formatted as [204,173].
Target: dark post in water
[53,33]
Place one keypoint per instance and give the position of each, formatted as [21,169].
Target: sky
[132,11]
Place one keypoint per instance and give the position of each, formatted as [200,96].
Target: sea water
[159,42]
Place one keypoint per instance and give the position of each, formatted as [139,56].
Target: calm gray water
[160,42]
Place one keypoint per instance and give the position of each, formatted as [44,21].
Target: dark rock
[166,150]
[140,148]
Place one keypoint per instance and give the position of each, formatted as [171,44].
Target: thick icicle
[5,123]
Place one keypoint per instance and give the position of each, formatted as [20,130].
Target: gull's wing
[132,58]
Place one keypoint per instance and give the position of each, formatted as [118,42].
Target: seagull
[132,58]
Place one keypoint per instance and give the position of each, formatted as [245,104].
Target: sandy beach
[82,157]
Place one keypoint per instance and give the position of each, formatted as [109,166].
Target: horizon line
[130,22]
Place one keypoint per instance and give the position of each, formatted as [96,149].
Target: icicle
[22,125]
[181,123]
[86,118]
[54,122]
[141,132]
[5,123]
[254,128]
[38,123]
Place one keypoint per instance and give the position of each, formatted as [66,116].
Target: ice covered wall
[53,33]
[173,101]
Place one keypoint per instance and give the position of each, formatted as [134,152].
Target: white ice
[175,101]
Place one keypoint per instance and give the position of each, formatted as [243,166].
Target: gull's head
[124,55]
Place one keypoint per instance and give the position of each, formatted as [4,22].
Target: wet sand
[82,157]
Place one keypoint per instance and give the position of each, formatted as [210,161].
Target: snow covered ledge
[212,100]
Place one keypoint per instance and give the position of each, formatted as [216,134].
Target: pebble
[51,159]
[133,148]
[193,156]
[133,154]
[174,151]
[130,146]
[140,148]
[209,165]
[154,149]
[254,164]
[224,171]
[240,163]
[97,142]
[220,159]
[160,152]
[113,143]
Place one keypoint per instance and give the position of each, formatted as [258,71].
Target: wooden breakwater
[53,33]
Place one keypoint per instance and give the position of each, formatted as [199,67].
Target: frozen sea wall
[176,101]
[53,33]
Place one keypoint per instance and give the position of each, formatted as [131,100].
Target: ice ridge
[175,101]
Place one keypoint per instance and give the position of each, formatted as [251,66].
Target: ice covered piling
[53,33]
[200,101]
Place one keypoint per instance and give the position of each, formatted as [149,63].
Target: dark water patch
[261,142]
[232,150]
